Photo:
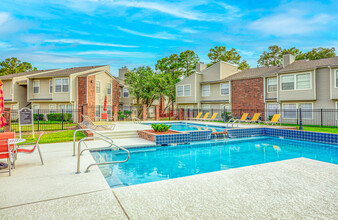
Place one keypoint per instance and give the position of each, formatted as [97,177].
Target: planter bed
[165,138]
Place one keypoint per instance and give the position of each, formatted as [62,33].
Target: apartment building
[15,88]
[296,84]
[63,90]
[207,87]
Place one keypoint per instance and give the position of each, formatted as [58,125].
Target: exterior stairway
[121,134]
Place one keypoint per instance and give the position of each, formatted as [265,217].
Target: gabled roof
[11,76]
[255,73]
[66,72]
[300,65]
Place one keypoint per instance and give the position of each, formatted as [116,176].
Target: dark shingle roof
[11,76]
[255,73]
[66,72]
[299,65]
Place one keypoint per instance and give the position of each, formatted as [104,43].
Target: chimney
[288,59]
[200,67]
[122,72]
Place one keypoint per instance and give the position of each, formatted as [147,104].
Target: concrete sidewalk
[291,189]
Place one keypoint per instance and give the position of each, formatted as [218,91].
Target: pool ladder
[101,137]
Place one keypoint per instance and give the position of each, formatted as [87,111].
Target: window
[126,108]
[97,86]
[224,88]
[36,107]
[109,88]
[187,90]
[97,110]
[180,91]
[61,85]
[205,90]
[205,108]
[50,86]
[183,90]
[306,110]
[65,85]
[36,86]
[288,82]
[125,92]
[297,81]
[272,84]
[272,109]
[225,107]
[303,81]
[58,84]
[290,110]
[109,109]
[52,108]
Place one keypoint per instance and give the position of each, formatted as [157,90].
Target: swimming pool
[149,164]
[184,126]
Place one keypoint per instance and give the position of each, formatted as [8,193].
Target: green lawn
[315,128]
[54,137]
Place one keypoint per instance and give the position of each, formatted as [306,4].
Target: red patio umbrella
[105,104]
[2,119]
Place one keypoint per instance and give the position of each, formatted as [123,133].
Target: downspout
[331,77]
[264,96]
[314,84]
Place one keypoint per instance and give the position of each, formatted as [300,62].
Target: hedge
[58,117]
[38,117]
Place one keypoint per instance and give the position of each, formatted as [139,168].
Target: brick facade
[115,93]
[91,97]
[247,94]
[82,94]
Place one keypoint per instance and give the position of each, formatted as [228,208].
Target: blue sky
[68,33]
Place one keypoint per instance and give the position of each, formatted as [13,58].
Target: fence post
[300,119]
[38,119]
[297,116]
[169,113]
[7,115]
[62,119]
[321,117]
[188,113]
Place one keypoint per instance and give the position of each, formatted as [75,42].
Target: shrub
[38,117]
[160,127]
[58,117]
[227,116]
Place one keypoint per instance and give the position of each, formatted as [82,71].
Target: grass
[42,126]
[54,137]
[315,128]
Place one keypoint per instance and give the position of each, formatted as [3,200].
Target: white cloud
[160,35]
[117,53]
[292,22]
[173,9]
[84,42]
[4,17]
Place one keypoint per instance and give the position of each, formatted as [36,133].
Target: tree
[220,53]
[142,83]
[187,61]
[243,65]
[274,55]
[169,73]
[13,65]
[317,53]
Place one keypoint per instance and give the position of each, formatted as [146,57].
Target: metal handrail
[88,129]
[104,138]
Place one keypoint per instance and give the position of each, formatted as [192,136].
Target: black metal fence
[47,120]
[315,117]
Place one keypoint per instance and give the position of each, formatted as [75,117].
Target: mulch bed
[160,133]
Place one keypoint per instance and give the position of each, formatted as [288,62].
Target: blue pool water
[183,126]
[149,164]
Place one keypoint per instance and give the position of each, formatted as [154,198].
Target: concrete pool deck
[297,188]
